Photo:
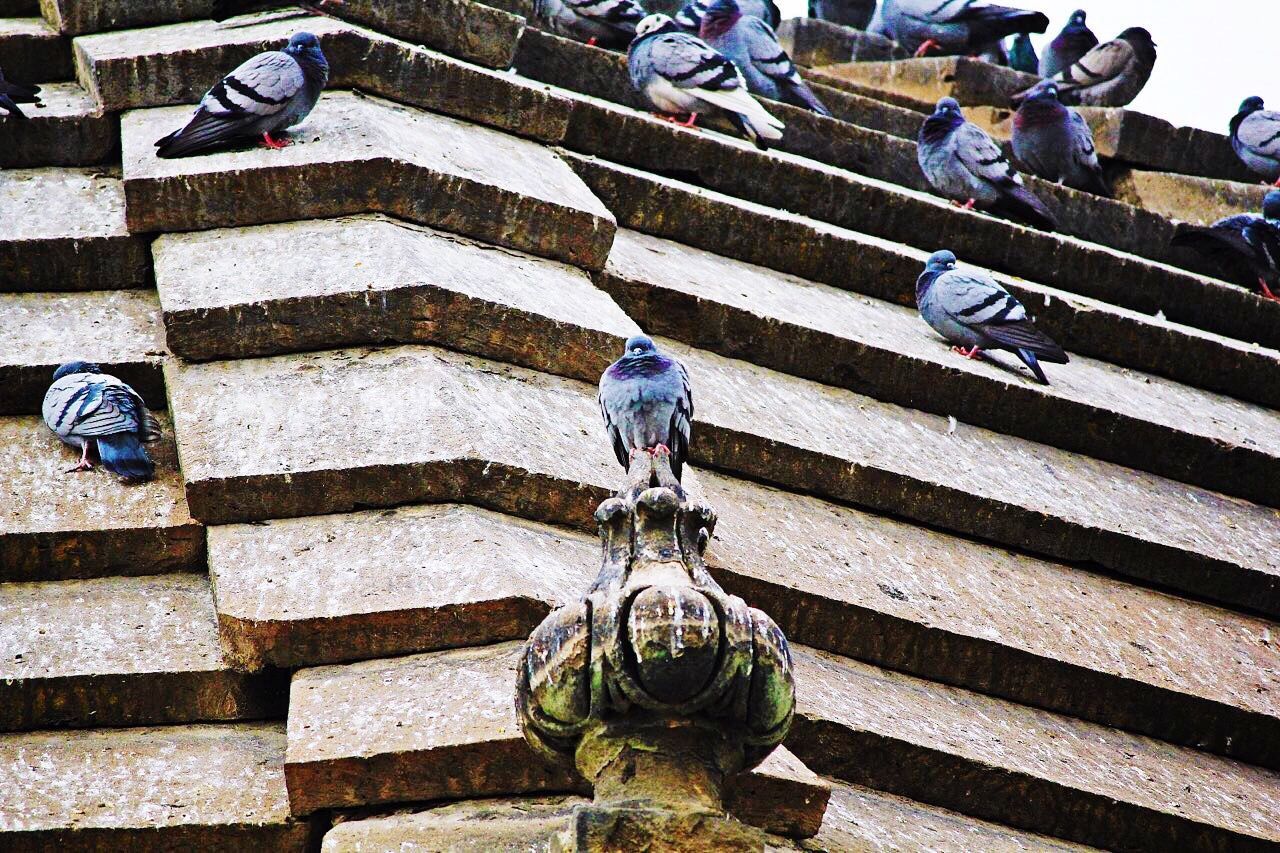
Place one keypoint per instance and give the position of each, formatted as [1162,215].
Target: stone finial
[657,685]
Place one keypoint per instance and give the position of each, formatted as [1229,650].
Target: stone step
[120,330]
[1201,201]
[121,652]
[811,41]
[1023,767]
[57,526]
[68,129]
[66,231]
[200,787]
[470,31]
[78,17]
[443,726]
[359,154]
[32,51]
[19,8]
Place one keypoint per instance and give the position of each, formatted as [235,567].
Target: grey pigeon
[753,47]
[12,94]
[1245,244]
[951,27]
[1075,40]
[966,165]
[846,13]
[88,408]
[679,73]
[1255,137]
[973,312]
[1022,55]
[1054,141]
[1110,75]
[268,93]
[690,15]
[647,404]
[607,23]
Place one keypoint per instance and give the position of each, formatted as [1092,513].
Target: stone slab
[232,293]
[120,652]
[19,8]
[67,129]
[56,526]
[118,329]
[357,154]
[40,51]
[811,41]
[1153,143]
[77,17]
[970,81]
[443,726]
[471,31]
[1201,201]
[66,231]
[866,112]
[201,787]
[1024,767]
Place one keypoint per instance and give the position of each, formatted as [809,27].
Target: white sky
[1212,55]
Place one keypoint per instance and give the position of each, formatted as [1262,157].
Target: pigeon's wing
[102,406]
[984,159]
[1260,131]
[690,15]
[620,14]
[10,108]
[983,305]
[610,425]
[1103,63]
[688,62]
[681,428]
[772,61]
[1264,238]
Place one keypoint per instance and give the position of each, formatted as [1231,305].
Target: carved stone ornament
[657,685]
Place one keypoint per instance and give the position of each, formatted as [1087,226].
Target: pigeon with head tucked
[267,93]
[966,165]
[87,408]
[1255,137]
[1022,55]
[647,404]
[607,23]
[12,94]
[753,47]
[690,15]
[1075,40]
[1245,244]
[1054,141]
[973,312]
[681,74]
[1110,75]
[951,27]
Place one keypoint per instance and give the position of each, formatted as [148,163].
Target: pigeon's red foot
[84,464]
[591,42]
[925,47]
[1276,184]
[1266,291]
[687,122]
[975,352]
[968,205]
[274,144]
[661,450]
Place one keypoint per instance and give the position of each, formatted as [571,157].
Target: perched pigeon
[607,23]
[12,94]
[1022,55]
[86,407]
[1242,243]
[680,73]
[1255,136]
[965,165]
[846,13]
[223,9]
[951,26]
[268,93]
[690,15]
[974,313]
[647,404]
[1054,141]
[1110,75]
[754,48]
[1068,46]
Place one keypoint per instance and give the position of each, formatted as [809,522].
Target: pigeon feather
[955,26]
[1245,246]
[1073,42]
[1255,137]
[86,406]
[612,23]
[690,15]
[645,400]
[753,46]
[1054,141]
[1110,75]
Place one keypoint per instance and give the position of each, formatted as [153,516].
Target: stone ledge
[35,47]
[1201,201]
[78,17]
[811,41]
[970,81]
[67,130]
[470,31]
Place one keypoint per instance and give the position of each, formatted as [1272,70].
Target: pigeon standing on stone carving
[647,404]
[1110,75]
[951,27]
[1054,141]
[974,313]
[1075,40]
[754,48]
[691,14]
[607,23]
[268,93]
[12,94]
[965,165]
[679,74]
[1244,242]
[1255,137]
[88,408]
[1022,55]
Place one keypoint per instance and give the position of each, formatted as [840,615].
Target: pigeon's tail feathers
[1097,184]
[993,23]
[10,108]
[123,454]
[754,120]
[150,428]
[1023,335]
[1029,359]
[1017,203]
[205,130]
[1210,241]
[803,95]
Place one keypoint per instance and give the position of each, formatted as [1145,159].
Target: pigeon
[647,404]
[680,73]
[12,94]
[1068,46]
[951,27]
[86,408]
[690,15]
[223,9]
[753,47]
[1244,242]
[854,14]
[1110,75]
[966,165]
[1022,55]
[268,93]
[1054,141]
[1255,137]
[973,312]
[606,23]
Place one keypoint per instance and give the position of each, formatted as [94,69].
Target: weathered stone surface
[1025,767]
[119,330]
[35,47]
[820,333]
[231,293]
[501,825]
[19,8]
[443,726]
[471,31]
[811,41]
[1197,200]
[69,129]
[66,231]
[120,652]
[357,154]
[970,81]
[77,17]
[868,112]
[208,787]
[56,525]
